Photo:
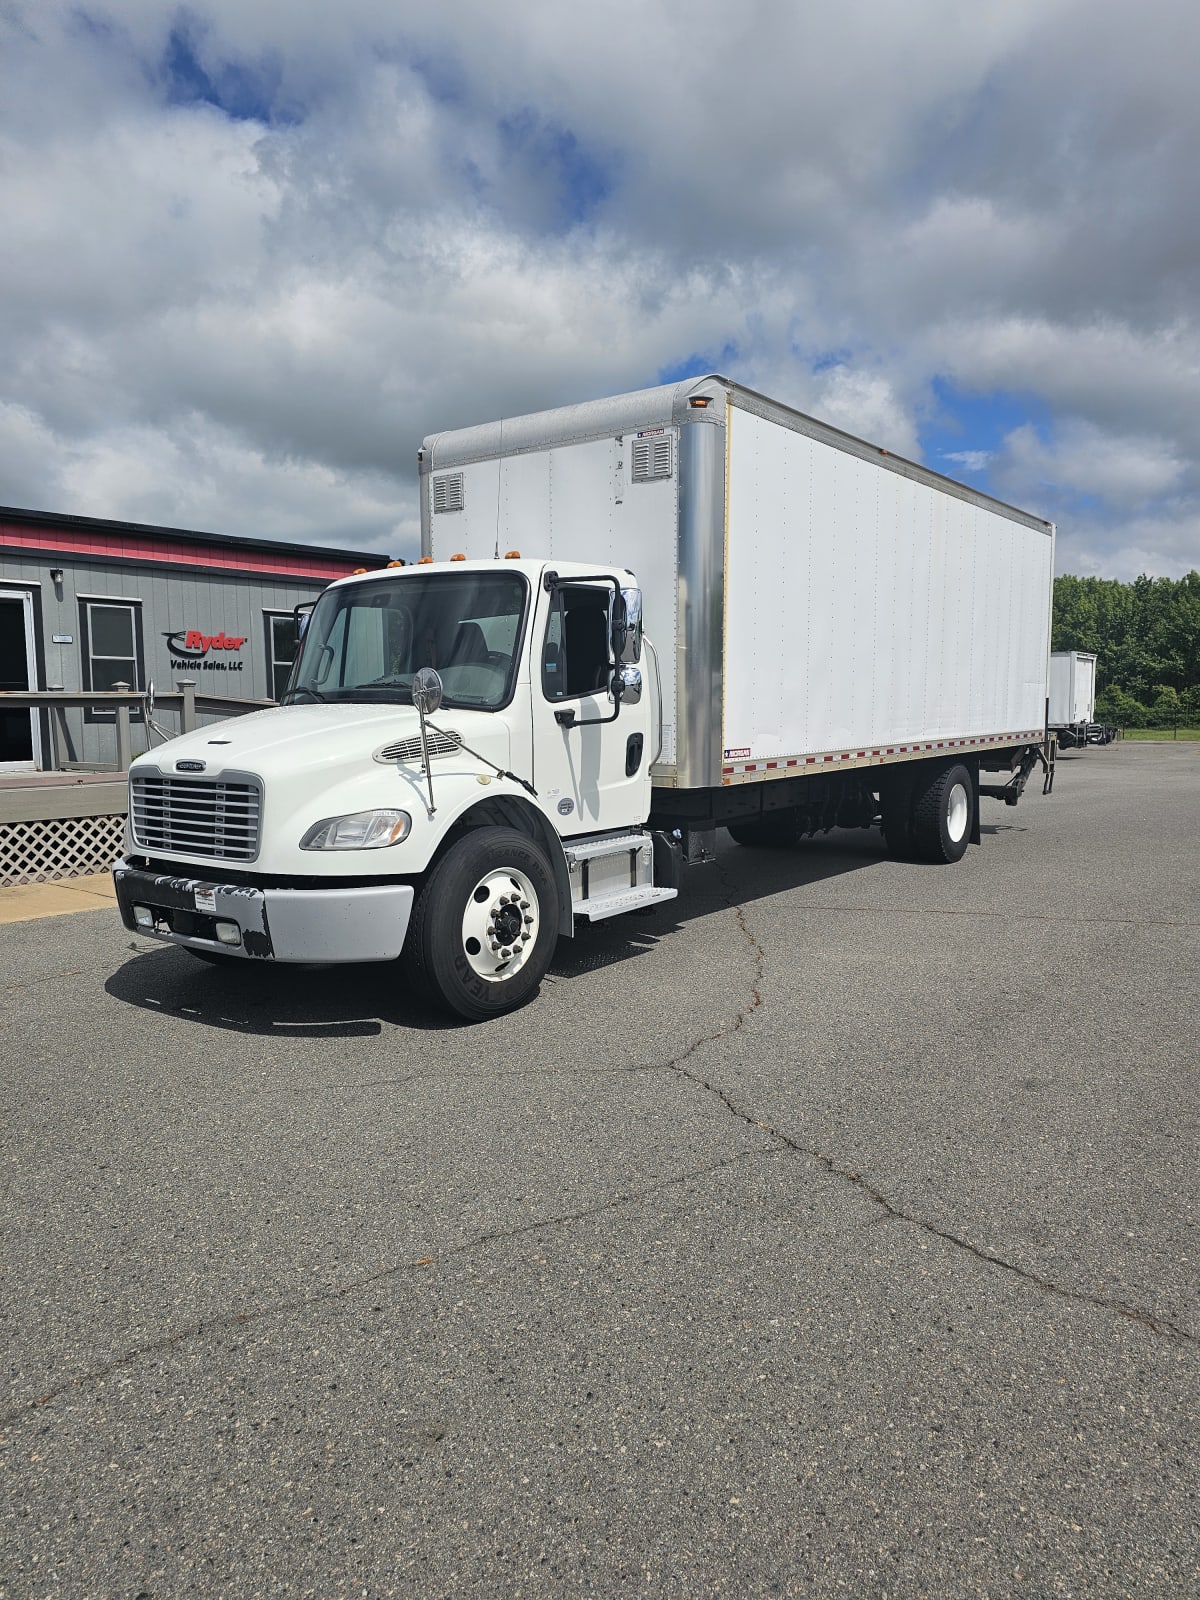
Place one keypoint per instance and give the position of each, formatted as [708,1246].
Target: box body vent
[448,491]
[652,458]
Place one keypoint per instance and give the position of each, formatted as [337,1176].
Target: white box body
[1072,688]
[813,599]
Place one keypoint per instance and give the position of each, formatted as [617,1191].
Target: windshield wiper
[404,683]
[302,688]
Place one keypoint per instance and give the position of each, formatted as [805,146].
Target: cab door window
[575,655]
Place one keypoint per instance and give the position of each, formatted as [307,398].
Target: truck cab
[459,767]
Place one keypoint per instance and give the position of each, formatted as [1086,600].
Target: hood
[286,741]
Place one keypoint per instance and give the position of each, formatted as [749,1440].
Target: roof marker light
[512,555]
[356,571]
[425,561]
[396,563]
[458,556]
[699,402]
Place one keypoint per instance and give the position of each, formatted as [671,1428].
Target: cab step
[611,905]
[612,873]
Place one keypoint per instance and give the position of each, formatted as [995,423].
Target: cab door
[591,771]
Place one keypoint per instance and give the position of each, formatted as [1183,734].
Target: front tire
[943,811]
[484,927]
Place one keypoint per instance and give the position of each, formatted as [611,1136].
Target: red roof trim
[131,546]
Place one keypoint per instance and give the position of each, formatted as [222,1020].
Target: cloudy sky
[254,250]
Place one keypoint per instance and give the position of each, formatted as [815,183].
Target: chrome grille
[196,817]
[440,744]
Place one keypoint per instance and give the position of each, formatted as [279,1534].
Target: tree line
[1145,636]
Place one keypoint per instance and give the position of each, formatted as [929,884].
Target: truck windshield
[365,642]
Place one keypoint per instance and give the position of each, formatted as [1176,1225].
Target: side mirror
[427,691]
[631,685]
[618,629]
[631,647]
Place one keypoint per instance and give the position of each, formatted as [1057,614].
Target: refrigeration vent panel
[448,491]
[652,458]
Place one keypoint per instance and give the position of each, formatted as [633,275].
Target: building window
[281,651]
[110,636]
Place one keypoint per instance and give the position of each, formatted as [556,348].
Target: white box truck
[1072,702]
[634,621]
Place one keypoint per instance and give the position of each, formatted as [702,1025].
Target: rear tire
[943,811]
[484,927]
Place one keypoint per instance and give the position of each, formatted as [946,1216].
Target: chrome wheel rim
[500,924]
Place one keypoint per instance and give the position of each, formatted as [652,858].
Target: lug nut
[524,905]
[529,922]
[504,954]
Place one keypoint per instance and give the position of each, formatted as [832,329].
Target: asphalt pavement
[827,1231]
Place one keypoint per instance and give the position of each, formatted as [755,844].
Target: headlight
[362,830]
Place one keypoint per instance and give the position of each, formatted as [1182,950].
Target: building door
[20,742]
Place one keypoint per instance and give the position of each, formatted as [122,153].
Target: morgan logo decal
[741,754]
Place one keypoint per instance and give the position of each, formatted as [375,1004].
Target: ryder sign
[192,646]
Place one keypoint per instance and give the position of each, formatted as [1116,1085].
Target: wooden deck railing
[124,702]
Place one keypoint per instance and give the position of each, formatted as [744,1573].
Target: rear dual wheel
[943,810]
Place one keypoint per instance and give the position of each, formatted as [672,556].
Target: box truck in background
[1072,700]
[634,621]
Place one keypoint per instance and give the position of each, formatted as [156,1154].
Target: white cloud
[424,218]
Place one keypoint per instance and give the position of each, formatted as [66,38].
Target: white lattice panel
[70,847]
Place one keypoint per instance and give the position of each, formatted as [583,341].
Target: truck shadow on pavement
[359,1001]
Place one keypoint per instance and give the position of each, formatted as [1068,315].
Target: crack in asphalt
[677,1065]
[236,1319]
[1157,1324]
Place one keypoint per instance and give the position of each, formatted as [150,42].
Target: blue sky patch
[245,93]
[699,365]
[581,179]
[965,429]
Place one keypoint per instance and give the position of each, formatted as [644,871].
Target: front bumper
[311,925]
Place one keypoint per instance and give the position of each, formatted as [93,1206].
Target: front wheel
[484,927]
[943,808]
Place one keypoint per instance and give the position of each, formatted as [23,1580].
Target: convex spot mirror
[427,691]
[631,685]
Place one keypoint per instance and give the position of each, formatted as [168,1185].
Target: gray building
[86,604]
